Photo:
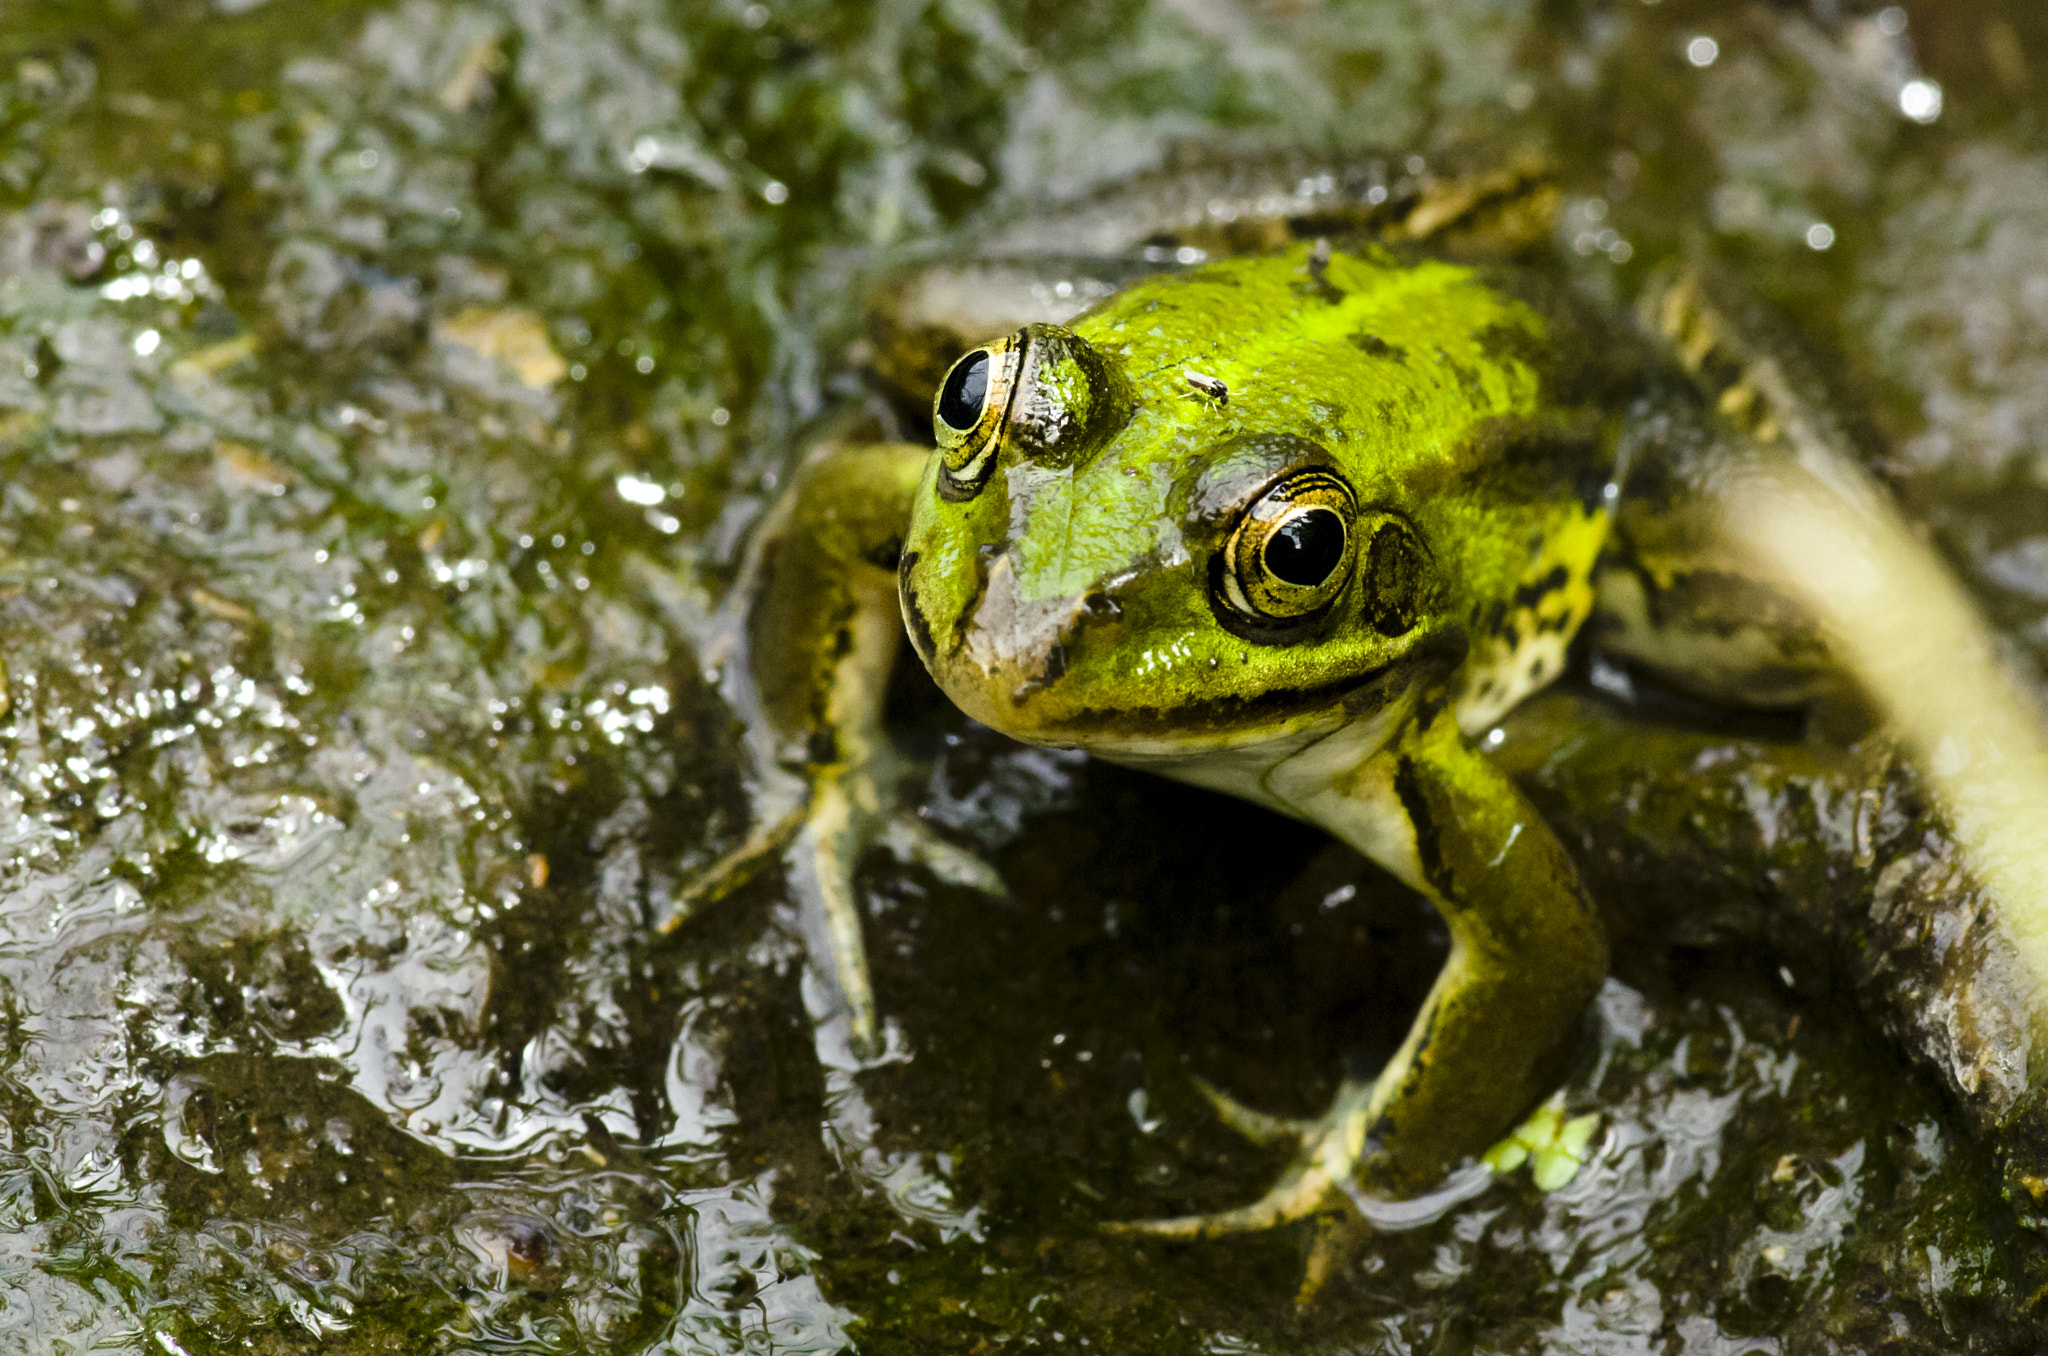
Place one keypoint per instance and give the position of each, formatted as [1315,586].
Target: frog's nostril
[1100,607]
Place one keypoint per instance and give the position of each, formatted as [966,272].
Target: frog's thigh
[1527,948]
[1700,622]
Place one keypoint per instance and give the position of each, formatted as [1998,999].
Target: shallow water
[385,394]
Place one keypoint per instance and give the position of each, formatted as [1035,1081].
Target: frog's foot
[1328,1152]
[820,842]
[843,820]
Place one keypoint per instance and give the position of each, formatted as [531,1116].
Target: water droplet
[1920,100]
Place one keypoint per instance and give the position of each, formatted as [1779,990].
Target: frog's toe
[1256,1126]
[914,844]
[1338,1241]
[1299,1195]
[820,862]
[737,867]
[1328,1154]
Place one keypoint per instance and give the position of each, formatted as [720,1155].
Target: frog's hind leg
[1680,597]
[1678,605]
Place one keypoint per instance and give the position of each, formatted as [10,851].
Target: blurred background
[386,391]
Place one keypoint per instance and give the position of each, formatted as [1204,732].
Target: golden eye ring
[1293,549]
[968,416]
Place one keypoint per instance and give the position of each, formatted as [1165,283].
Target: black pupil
[1306,548]
[966,387]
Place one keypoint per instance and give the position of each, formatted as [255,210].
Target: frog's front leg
[1527,954]
[823,630]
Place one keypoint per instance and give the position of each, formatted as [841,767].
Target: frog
[1292,500]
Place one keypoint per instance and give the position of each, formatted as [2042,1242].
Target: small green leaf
[1554,1167]
[1506,1156]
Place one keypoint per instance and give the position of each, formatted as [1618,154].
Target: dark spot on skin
[1422,1045]
[1377,347]
[1428,709]
[821,749]
[1509,634]
[1428,844]
[1592,487]
[1055,664]
[1519,343]
[913,614]
[842,642]
[920,630]
[1529,595]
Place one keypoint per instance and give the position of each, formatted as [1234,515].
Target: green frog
[1292,500]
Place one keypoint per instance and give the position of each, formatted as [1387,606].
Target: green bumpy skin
[1293,526]
[1082,569]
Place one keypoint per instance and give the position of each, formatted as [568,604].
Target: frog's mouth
[1022,667]
[1222,722]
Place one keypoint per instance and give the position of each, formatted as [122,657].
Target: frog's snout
[1019,645]
[1043,393]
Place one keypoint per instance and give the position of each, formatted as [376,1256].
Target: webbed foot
[1328,1152]
[821,842]
[726,875]
[1322,1183]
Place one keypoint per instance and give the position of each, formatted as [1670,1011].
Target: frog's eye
[965,392]
[968,416]
[1293,550]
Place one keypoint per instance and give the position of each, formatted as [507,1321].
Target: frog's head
[1188,522]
